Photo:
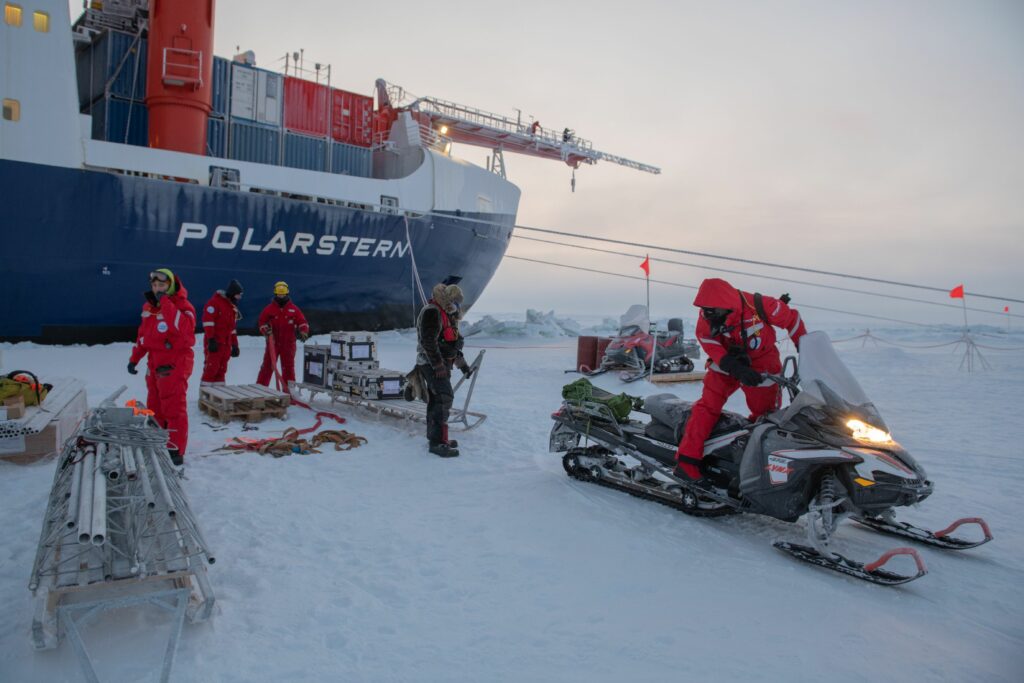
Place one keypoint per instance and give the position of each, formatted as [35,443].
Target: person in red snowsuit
[283,321]
[736,331]
[220,342]
[167,334]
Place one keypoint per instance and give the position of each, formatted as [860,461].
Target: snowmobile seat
[670,413]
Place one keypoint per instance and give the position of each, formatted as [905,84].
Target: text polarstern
[232,237]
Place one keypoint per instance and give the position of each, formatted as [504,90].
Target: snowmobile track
[582,474]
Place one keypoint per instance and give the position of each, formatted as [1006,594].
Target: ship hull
[78,246]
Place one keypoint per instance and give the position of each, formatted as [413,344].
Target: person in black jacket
[438,349]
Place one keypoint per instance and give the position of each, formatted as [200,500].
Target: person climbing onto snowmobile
[735,329]
[167,334]
[438,348]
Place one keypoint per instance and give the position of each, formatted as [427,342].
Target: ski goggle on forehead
[157,276]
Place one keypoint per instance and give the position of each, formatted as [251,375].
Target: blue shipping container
[216,137]
[253,142]
[221,85]
[112,59]
[123,121]
[351,160]
[302,151]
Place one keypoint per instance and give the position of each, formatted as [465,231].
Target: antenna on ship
[471,126]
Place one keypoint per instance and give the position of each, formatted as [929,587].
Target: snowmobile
[633,347]
[826,456]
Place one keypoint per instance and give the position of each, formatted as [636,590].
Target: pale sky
[877,138]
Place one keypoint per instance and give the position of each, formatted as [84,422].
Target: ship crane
[472,126]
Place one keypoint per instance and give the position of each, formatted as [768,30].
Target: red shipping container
[586,354]
[351,118]
[306,108]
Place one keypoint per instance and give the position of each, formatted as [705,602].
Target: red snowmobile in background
[632,349]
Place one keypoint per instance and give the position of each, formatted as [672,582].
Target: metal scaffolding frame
[118,532]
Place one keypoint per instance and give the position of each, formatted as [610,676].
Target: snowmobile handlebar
[790,384]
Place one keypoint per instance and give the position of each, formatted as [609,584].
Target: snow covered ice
[386,563]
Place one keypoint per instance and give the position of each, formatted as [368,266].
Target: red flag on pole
[957,292]
[1006,309]
[646,266]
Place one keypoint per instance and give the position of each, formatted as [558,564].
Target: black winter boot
[699,483]
[177,459]
[443,450]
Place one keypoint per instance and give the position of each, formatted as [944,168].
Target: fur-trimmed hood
[444,295]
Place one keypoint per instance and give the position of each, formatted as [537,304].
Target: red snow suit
[219,319]
[760,349]
[282,320]
[167,334]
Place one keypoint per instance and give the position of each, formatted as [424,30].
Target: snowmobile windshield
[636,317]
[826,382]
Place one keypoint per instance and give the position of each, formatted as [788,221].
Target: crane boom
[472,126]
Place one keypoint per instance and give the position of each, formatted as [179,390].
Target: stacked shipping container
[217,125]
[111,74]
[256,115]
[326,128]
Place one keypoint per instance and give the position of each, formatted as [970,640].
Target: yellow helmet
[280,289]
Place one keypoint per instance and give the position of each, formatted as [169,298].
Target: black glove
[235,351]
[467,372]
[212,345]
[132,370]
[300,335]
[151,297]
[739,368]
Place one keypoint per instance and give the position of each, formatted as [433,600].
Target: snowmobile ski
[937,539]
[871,572]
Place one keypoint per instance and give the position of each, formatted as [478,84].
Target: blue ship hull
[78,246]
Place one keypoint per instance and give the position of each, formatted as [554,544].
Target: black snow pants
[439,404]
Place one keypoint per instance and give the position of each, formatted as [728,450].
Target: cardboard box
[15,407]
[41,434]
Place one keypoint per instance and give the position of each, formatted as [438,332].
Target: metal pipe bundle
[128,462]
[85,496]
[76,490]
[147,487]
[146,528]
[162,483]
[99,501]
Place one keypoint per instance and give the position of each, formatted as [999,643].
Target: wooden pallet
[673,377]
[249,402]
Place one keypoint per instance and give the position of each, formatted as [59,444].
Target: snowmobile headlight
[862,431]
